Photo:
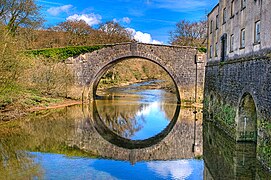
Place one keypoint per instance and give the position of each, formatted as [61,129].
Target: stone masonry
[238,72]
[178,62]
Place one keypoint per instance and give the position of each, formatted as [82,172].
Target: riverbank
[149,84]
[29,103]
[17,110]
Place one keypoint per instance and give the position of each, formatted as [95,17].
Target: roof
[213,9]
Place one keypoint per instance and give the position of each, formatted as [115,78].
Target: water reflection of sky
[152,119]
[139,118]
[61,167]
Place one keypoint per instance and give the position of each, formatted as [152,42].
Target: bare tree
[3,8]
[77,31]
[75,27]
[11,60]
[189,34]
[20,13]
[114,32]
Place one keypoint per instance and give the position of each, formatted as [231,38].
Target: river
[132,132]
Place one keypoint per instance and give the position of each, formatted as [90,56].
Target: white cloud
[180,169]
[57,10]
[124,20]
[90,19]
[156,42]
[142,37]
[147,110]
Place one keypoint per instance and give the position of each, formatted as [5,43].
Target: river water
[133,132]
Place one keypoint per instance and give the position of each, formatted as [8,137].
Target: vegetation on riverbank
[61,54]
[33,75]
[20,140]
[136,70]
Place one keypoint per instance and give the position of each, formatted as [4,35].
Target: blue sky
[149,20]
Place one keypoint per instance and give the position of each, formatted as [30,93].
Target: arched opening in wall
[129,70]
[247,119]
[136,98]
[136,70]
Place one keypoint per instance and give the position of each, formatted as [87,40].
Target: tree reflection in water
[123,124]
[71,132]
[130,117]
[15,162]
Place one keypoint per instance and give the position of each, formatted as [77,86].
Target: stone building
[237,89]
[238,28]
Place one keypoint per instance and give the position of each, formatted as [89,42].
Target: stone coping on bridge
[121,43]
[166,45]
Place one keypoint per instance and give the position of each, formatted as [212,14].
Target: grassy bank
[61,54]
[40,79]
[26,101]
[37,79]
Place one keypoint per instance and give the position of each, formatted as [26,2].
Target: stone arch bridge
[177,61]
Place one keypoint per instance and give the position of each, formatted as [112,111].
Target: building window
[211,26]
[223,47]
[231,43]
[211,51]
[257,32]
[232,8]
[243,38]
[243,4]
[216,49]
[216,22]
[224,15]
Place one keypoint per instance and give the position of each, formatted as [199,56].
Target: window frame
[211,52]
[231,42]
[211,26]
[232,8]
[257,34]
[224,15]
[216,21]
[223,47]
[216,49]
[243,38]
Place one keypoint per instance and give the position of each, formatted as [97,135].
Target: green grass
[9,94]
[18,96]
[38,100]
[63,53]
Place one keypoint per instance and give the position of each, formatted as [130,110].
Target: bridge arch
[246,119]
[177,61]
[127,57]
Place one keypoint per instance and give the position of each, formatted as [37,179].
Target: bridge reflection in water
[174,142]
[74,131]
